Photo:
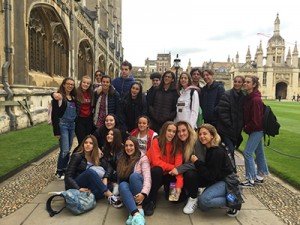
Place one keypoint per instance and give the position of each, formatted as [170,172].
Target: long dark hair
[62,90]
[95,156]
[162,83]
[116,146]
[126,163]
[139,98]
[162,140]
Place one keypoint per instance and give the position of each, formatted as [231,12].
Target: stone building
[45,41]
[279,74]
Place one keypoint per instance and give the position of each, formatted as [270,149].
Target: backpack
[76,201]
[199,118]
[270,124]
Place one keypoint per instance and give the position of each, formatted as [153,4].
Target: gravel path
[23,187]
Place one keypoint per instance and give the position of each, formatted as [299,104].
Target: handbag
[76,201]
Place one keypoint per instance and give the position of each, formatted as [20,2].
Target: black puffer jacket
[230,115]
[77,165]
[209,99]
[163,106]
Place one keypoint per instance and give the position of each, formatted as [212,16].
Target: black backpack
[270,124]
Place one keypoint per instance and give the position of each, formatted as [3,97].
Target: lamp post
[176,65]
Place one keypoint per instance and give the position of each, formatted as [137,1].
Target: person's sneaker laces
[257,181]
[247,184]
[138,219]
[232,212]
[115,201]
[190,206]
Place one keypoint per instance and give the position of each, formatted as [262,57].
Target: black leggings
[159,179]
[192,181]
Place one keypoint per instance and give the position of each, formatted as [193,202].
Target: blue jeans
[91,180]
[66,139]
[213,196]
[254,144]
[129,189]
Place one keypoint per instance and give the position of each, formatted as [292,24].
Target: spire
[228,59]
[289,53]
[295,52]
[237,55]
[248,56]
[190,63]
[277,25]
[260,49]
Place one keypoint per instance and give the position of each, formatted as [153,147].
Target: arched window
[85,59]
[38,42]
[102,63]
[48,42]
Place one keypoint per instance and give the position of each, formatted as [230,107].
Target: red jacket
[150,133]
[253,113]
[167,162]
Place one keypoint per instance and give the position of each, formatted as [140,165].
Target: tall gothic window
[48,42]
[264,79]
[85,59]
[38,43]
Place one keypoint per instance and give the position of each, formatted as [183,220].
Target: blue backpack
[77,202]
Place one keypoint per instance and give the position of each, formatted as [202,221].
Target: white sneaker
[190,206]
[115,190]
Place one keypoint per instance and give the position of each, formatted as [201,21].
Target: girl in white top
[187,108]
[143,133]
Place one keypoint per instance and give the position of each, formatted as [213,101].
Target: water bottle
[231,198]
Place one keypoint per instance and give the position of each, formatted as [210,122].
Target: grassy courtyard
[287,142]
[19,147]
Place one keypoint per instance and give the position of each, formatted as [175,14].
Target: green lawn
[287,142]
[19,147]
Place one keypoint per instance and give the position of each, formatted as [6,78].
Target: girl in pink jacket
[134,176]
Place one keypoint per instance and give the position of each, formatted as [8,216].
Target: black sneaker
[115,201]
[149,208]
[247,184]
[257,181]
[232,212]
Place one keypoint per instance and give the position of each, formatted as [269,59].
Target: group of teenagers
[131,144]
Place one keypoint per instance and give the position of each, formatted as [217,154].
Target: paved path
[253,212]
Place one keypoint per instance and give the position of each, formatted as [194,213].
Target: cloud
[228,35]
[187,51]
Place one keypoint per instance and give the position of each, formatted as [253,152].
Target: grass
[287,142]
[20,147]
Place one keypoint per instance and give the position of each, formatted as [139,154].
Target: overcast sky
[204,30]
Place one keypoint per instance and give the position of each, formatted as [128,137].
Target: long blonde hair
[95,155]
[187,147]
[213,131]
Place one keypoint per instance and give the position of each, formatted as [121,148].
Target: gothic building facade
[45,41]
[278,72]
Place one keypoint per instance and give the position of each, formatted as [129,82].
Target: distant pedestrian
[298,97]
[294,98]
[123,83]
